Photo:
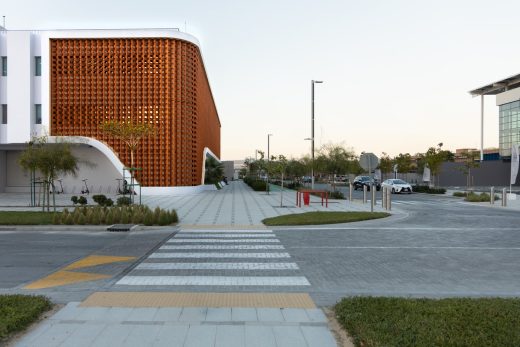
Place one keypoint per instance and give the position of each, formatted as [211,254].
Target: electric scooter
[85,191]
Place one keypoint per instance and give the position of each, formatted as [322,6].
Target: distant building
[489,154]
[507,92]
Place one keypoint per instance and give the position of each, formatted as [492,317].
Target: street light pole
[312,131]
[268,162]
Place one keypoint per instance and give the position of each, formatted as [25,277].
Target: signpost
[368,161]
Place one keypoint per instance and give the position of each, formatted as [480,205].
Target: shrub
[100,199]
[109,202]
[125,218]
[482,197]
[82,200]
[56,218]
[137,217]
[428,190]
[109,217]
[95,219]
[257,185]
[336,195]
[163,218]
[148,218]
[173,216]
[124,201]
[460,194]
[74,199]
[69,220]
[81,219]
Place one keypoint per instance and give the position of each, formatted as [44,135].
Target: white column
[482,127]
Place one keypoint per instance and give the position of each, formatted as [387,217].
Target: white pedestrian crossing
[217,266]
[214,281]
[218,255]
[217,235]
[223,241]
[205,250]
[217,247]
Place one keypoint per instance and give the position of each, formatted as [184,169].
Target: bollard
[350,192]
[492,196]
[364,194]
[383,198]
[389,200]
[373,200]
[504,197]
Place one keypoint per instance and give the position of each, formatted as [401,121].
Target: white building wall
[508,96]
[19,91]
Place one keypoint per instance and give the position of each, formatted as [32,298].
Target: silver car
[397,186]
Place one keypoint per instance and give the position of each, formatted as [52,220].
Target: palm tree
[214,171]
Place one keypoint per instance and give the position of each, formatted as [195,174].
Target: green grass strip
[17,312]
[25,218]
[322,217]
[456,322]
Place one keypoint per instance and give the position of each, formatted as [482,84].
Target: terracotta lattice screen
[158,80]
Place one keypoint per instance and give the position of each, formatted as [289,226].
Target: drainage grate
[121,227]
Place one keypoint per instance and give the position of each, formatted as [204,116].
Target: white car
[397,186]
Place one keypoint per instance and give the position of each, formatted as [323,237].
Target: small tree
[470,162]
[129,132]
[434,157]
[52,160]
[385,164]
[279,166]
[214,171]
[333,160]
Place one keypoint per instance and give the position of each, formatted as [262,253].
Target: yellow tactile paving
[140,299]
[61,278]
[94,260]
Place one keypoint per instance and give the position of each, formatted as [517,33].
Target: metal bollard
[383,199]
[364,194]
[350,192]
[373,200]
[504,197]
[389,200]
[492,196]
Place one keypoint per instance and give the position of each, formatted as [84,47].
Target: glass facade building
[509,127]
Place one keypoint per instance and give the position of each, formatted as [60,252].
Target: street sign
[368,161]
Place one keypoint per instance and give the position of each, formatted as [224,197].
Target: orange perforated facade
[161,81]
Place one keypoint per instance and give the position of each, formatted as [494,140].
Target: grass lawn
[455,322]
[17,312]
[314,218]
[25,218]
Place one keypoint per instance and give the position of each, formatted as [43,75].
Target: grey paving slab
[70,311]
[113,335]
[244,314]
[84,335]
[260,336]
[218,314]
[267,314]
[200,335]
[171,336]
[32,336]
[117,314]
[55,335]
[193,314]
[295,315]
[142,314]
[167,314]
[316,315]
[92,313]
[289,336]
[142,335]
[318,336]
[230,336]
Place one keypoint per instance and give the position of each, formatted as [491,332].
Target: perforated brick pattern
[161,81]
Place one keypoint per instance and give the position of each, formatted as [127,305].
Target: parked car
[367,181]
[397,186]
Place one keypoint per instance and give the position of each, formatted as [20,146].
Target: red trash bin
[306,198]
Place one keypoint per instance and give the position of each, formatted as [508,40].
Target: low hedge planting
[17,312]
[256,184]
[428,190]
[96,215]
[482,197]
[405,322]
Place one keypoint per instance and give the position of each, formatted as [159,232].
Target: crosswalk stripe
[175,240]
[184,235]
[253,231]
[219,255]
[217,266]
[241,247]
[214,281]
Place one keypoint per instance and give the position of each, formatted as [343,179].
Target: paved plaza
[221,278]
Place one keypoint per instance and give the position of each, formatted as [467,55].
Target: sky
[396,73]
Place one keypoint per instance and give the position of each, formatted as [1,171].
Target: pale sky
[396,73]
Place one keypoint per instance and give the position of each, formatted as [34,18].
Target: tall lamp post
[312,131]
[268,163]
